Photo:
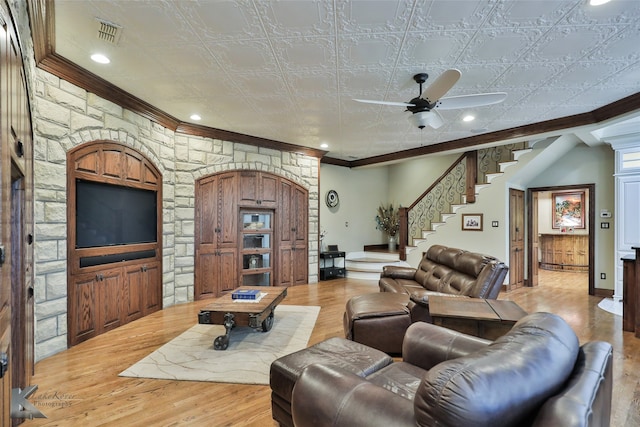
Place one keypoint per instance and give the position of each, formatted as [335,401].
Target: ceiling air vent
[108,31]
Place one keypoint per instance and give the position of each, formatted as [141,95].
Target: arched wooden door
[250,229]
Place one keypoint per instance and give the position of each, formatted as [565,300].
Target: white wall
[351,224]
[590,165]
[408,180]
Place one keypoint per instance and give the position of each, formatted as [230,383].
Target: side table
[331,271]
[484,318]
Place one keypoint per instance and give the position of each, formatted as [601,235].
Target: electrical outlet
[603,276]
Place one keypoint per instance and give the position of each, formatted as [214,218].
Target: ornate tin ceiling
[288,70]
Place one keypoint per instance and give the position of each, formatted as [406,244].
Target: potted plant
[388,220]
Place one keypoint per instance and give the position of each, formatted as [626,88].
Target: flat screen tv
[109,215]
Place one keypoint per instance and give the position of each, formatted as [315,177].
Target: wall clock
[332,199]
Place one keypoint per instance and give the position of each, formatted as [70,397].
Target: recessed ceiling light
[598,2]
[324,145]
[468,118]
[195,117]
[100,58]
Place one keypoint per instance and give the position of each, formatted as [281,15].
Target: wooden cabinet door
[292,232]
[300,266]
[83,318]
[142,290]
[152,287]
[227,211]
[299,216]
[285,267]
[110,310]
[268,190]
[226,276]
[216,233]
[285,228]
[257,189]
[133,293]
[206,264]
[96,299]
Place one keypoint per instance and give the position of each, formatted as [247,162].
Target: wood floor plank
[81,386]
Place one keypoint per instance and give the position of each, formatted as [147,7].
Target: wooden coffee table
[484,318]
[231,313]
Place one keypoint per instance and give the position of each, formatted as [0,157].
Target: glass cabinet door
[256,260]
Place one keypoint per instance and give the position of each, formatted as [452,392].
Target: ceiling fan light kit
[421,119]
[424,107]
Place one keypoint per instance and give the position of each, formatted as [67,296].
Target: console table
[564,252]
[484,318]
[331,271]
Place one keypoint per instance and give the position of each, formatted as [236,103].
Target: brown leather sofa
[444,271]
[535,375]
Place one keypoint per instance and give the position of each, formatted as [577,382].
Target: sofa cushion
[503,384]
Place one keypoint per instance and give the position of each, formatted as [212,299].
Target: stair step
[480,187]
[505,165]
[518,153]
[368,265]
[491,176]
[446,216]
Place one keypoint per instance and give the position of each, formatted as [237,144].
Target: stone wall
[65,116]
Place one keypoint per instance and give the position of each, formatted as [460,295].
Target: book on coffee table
[249,294]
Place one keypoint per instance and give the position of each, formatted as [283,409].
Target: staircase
[491,164]
[488,164]
[367,265]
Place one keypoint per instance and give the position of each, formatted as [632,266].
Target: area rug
[247,360]
[612,306]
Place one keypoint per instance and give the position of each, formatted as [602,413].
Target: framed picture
[568,210]
[472,222]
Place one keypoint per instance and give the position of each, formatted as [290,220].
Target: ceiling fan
[424,107]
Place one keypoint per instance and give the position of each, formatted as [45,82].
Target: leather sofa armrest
[425,345]
[397,272]
[325,395]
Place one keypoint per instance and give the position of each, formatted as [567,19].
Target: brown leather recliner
[535,375]
[444,271]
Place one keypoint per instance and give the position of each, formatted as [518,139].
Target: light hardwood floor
[81,387]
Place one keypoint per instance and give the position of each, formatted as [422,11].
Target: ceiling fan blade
[469,101]
[397,104]
[441,85]
[436,120]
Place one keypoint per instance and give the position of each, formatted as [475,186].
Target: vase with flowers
[388,220]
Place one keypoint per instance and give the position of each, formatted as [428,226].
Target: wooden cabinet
[292,243]
[111,285]
[256,248]
[216,235]
[97,298]
[258,189]
[141,296]
[568,252]
[251,229]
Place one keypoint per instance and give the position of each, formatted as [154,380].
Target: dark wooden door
[16,220]
[534,257]
[516,238]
